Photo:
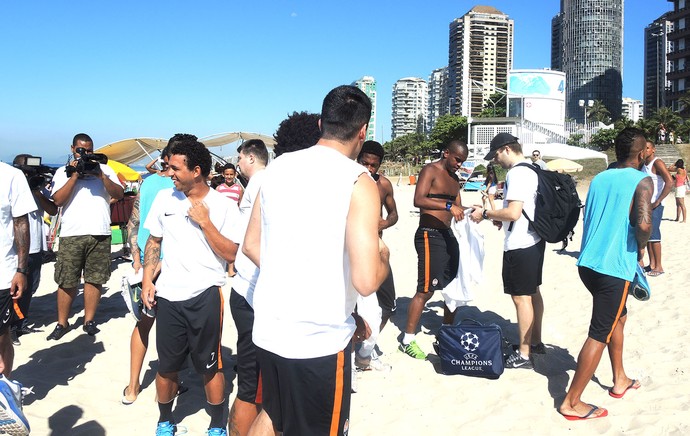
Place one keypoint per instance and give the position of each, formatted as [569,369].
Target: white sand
[78,381]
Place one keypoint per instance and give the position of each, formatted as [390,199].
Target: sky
[124,69]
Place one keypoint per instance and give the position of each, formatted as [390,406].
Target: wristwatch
[24,271]
[485,215]
[449,204]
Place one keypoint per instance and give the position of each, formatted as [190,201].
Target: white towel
[470,265]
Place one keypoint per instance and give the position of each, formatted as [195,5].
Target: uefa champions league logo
[469,341]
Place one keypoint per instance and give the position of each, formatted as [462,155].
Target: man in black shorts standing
[195,222]
[616,227]
[437,195]
[523,249]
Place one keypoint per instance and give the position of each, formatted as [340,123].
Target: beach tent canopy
[555,151]
[563,165]
[129,151]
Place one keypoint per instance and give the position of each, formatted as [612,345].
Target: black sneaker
[15,337]
[90,328]
[516,360]
[57,333]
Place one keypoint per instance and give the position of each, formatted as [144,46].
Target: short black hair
[81,137]
[256,147]
[195,153]
[624,142]
[458,144]
[372,147]
[680,164]
[177,137]
[226,167]
[297,132]
[345,110]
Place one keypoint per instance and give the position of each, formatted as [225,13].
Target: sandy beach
[78,381]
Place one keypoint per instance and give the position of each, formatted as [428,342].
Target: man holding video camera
[83,189]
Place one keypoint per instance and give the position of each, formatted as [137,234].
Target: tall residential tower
[480,55]
[679,54]
[657,63]
[438,95]
[410,107]
[368,85]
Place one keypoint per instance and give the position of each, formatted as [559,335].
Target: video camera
[88,164]
[36,173]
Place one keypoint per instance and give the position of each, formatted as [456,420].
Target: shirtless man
[377,310]
[437,196]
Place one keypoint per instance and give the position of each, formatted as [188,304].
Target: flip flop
[126,401]
[654,273]
[647,268]
[622,394]
[589,414]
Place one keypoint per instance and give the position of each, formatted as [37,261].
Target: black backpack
[557,206]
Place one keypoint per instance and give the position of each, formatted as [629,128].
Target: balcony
[673,75]
[678,54]
[680,13]
[678,34]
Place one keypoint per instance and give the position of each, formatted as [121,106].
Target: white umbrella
[563,166]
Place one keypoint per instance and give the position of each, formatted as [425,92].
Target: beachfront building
[368,85]
[587,45]
[438,95]
[480,55]
[677,42]
[657,64]
[632,109]
[410,107]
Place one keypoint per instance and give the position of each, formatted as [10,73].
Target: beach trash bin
[413,179]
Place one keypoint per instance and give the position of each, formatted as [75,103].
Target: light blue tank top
[608,241]
[149,188]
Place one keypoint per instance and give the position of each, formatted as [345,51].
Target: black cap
[499,141]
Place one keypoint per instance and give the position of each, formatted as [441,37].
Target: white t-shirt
[36,226]
[87,211]
[304,297]
[521,185]
[15,200]
[189,266]
[247,273]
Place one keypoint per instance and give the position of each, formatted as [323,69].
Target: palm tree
[667,117]
[598,112]
[684,103]
[648,126]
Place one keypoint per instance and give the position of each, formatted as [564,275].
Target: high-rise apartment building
[632,109]
[410,107]
[679,53]
[591,53]
[479,57]
[657,64]
[438,95]
[368,85]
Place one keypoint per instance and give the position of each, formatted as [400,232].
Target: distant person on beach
[252,160]
[230,187]
[681,183]
[490,186]
[616,226]
[84,234]
[537,161]
[16,204]
[437,195]
[663,184]
[192,222]
[315,260]
[43,204]
[523,249]
[297,132]
[138,235]
[366,357]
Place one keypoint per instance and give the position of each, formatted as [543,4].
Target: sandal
[654,273]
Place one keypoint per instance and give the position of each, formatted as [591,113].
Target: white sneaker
[379,365]
[12,419]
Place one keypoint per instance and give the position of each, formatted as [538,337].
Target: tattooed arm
[641,214]
[21,242]
[152,255]
[133,232]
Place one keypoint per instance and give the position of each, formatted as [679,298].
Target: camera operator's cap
[499,141]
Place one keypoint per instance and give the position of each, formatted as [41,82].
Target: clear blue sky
[122,69]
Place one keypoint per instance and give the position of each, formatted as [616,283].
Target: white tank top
[657,180]
[304,296]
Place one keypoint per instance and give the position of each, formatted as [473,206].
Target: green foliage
[603,139]
[405,148]
[598,112]
[494,106]
[575,139]
[447,127]
[648,126]
[683,130]
[684,103]
[667,117]
[623,123]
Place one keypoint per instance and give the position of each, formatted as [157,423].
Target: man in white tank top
[663,184]
[315,258]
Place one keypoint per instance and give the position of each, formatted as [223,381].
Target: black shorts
[522,269]
[437,258]
[9,310]
[191,327]
[247,366]
[386,296]
[609,295]
[307,396]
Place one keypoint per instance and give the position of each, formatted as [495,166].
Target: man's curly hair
[298,131]
[196,154]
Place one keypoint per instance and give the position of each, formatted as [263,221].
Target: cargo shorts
[89,254]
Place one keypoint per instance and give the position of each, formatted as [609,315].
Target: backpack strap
[536,169]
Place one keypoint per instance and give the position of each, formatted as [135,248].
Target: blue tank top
[608,240]
[147,193]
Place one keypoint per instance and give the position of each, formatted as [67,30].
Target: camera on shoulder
[37,174]
[88,164]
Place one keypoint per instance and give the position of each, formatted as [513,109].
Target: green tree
[648,126]
[404,148]
[494,106]
[447,127]
[598,112]
[683,131]
[667,117]
[603,139]
[623,123]
[575,139]
[684,104]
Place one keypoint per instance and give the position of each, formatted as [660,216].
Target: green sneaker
[413,350]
